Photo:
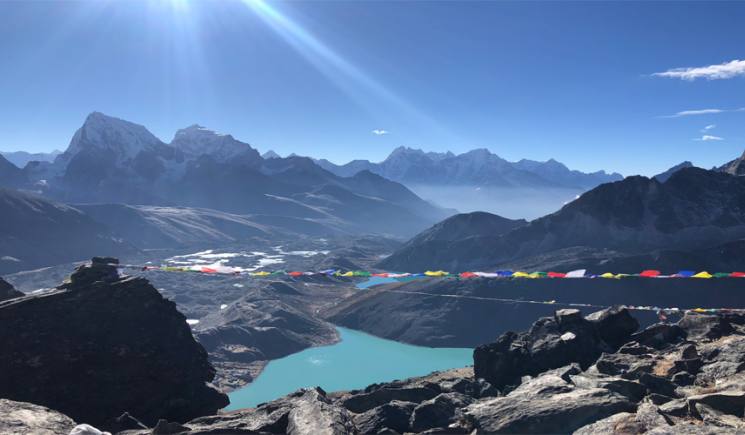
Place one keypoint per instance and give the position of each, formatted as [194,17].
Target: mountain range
[478,167]
[112,161]
[694,209]
[479,180]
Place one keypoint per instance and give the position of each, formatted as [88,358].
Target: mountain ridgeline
[110,160]
[478,167]
[693,210]
[479,180]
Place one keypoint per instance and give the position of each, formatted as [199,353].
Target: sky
[632,87]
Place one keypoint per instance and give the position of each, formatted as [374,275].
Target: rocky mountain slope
[100,345]
[566,374]
[465,313]
[270,321]
[478,167]
[664,176]
[36,232]
[110,160]
[453,229]
[735,167]
[693,209]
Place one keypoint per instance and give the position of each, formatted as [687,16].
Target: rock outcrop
[20,418]
[553,342]
[100,345]
[7,291]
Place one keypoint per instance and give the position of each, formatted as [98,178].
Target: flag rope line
[578,274]
[574,274]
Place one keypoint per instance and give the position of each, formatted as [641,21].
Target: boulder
[438,412]
[20,418]
[314,414]
[546,404]
[700,326]
[614,325]
[306,412]
[393,416]
[659,335]
[100,345]
[728,402]
[363,402]
[552,342]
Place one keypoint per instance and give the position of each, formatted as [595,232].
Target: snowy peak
[122,138]
[196,140]
[270,155]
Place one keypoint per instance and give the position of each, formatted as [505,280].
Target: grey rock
[683,379]
[659,335]
[729,402]
[363,402]
[614,325]
[438,412]
[20,418]
[393,416]
[544,405]
[57,344]
[306,411]
[699,326]
[545,346]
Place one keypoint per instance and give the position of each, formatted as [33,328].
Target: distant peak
[406,150]
[271,155]
[197,130]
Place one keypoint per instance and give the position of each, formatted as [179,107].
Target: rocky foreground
[101,345]
[568,373]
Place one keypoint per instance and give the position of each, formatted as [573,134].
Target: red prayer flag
[650,273]
[295,273]
[737,275]
[556,275]
[468,275]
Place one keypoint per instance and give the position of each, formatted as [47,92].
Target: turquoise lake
[357,361]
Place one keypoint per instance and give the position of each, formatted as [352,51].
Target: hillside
[36,232]
[693,209]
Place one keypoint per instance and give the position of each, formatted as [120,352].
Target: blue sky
[572,81]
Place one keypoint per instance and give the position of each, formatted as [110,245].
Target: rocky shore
[568,373]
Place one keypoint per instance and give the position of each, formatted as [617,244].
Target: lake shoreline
[338,369]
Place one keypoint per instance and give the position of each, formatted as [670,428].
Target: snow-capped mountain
[196,141]
[122,140]
[478,167]
[480,180]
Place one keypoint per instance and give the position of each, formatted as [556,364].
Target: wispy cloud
[378,132]
[708,137]
[695,112]
[720,71]
[708,127]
